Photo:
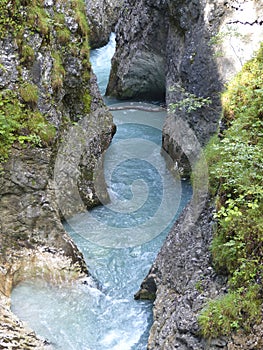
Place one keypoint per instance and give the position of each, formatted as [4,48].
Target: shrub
[236,174]
[228,313]
[11,18]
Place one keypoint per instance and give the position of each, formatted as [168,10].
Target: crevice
[256,22]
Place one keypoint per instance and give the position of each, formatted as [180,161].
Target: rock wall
[184,281]
[47,51]
[102,17]
[170,49]
[138,67]
[208,44]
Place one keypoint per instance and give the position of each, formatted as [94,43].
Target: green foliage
[20,121]
[228,313]
[227,33]
[11,18]
[29,93]
[236,174]
[20,124]
[188,102]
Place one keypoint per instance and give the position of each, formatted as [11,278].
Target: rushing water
[119,241]
[101,63]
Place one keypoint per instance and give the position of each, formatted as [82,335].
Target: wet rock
[138,67]
[183,287]
[102,16]
[33,241]
[14,334]
[166,49]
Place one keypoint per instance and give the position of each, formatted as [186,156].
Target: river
[119,240]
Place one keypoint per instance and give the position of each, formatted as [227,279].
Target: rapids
[119,240]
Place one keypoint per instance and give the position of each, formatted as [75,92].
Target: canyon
[167,51]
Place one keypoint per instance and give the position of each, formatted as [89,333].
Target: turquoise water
[119,241]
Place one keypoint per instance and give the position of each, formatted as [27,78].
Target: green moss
[29,93]
[62,32]
[39,19]
[80,17]
[59,19]
[85,52]
[58,71]
[20,124]
[235,169]
[63,35]
[86,75]
[27,54]
[87,101]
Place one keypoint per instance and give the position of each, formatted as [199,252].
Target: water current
[119,241]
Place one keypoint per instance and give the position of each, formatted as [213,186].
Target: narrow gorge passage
[119,240]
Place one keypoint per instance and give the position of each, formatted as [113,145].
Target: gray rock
[195,46]
[183,283]
[138,67]
[32,238]
[102,16]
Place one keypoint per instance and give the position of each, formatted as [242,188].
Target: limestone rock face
[209,43]
[138,67]
[184,281]
[170,49]
[46,53]
[68,97]
[102,16]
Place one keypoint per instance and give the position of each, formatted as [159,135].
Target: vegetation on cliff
[21,22]
[18,123]
[235,160]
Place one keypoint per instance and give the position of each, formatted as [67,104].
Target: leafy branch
[189,102]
